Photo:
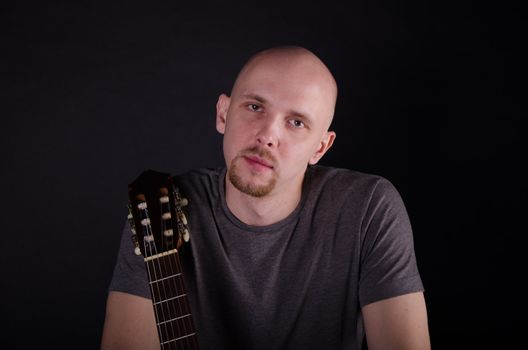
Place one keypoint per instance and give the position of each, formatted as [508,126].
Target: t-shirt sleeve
[130,275]
[388,262]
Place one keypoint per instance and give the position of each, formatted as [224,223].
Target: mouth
[257,161]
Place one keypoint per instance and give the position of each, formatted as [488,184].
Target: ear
[222,106]
[326,143]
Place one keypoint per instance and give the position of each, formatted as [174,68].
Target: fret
[165,278]
[177,330]
[170,299]
[167,289]
[174,319]
[167,310]
[178,339]
[163,266]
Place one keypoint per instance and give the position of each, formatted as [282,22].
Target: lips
[258,161]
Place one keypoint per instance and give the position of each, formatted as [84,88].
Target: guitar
[156,216]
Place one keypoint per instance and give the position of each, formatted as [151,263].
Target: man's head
[276,120]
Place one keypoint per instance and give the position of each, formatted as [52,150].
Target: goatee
[248,187]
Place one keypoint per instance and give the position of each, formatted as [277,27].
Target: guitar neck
[154,238]
[169,297]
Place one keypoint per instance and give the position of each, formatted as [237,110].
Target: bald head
[294,64]
[275,123]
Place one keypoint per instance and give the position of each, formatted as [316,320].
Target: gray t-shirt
[299,283]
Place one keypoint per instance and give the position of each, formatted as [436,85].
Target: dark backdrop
[92,94]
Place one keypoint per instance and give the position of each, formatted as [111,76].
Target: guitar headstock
[155,214]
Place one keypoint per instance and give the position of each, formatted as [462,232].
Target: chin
[249,185]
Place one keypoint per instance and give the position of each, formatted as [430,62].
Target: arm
[129,323]
[398,323]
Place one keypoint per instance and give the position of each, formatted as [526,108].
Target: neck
[262,211]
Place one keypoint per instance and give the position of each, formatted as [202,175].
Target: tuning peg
[137,251]
[164,199]
[186,235]
[130,219]
[168,233]
[183,202]
[183,219]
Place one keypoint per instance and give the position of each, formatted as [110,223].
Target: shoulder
[201,182]
[348,181]
[201,177]
[353,191]
[200,173]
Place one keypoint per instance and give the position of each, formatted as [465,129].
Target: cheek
[301,154]
[296,155]
[233,143]
[228,146]
[236,131]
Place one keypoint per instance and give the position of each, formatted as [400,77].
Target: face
[274,124]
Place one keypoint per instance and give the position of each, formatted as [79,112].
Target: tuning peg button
[184,219]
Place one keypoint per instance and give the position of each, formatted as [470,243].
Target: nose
[265,140]
[268,134]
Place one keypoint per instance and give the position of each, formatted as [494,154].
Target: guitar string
[164,280]
[150,272]
[154,267]
[169,245]
[153,251]
[183,304]
[179,285]
[188,322]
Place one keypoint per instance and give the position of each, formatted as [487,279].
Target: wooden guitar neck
[155,214]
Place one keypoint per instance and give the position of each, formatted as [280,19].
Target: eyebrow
[305,117]
[255,97]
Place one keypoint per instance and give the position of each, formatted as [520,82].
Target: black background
[92,94]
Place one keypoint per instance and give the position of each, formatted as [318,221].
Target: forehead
[288,85]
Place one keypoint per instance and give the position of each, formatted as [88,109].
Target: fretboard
[169,298]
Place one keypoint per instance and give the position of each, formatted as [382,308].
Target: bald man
[284,254]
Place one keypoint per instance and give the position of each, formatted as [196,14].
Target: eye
[253,107]
[296,123]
